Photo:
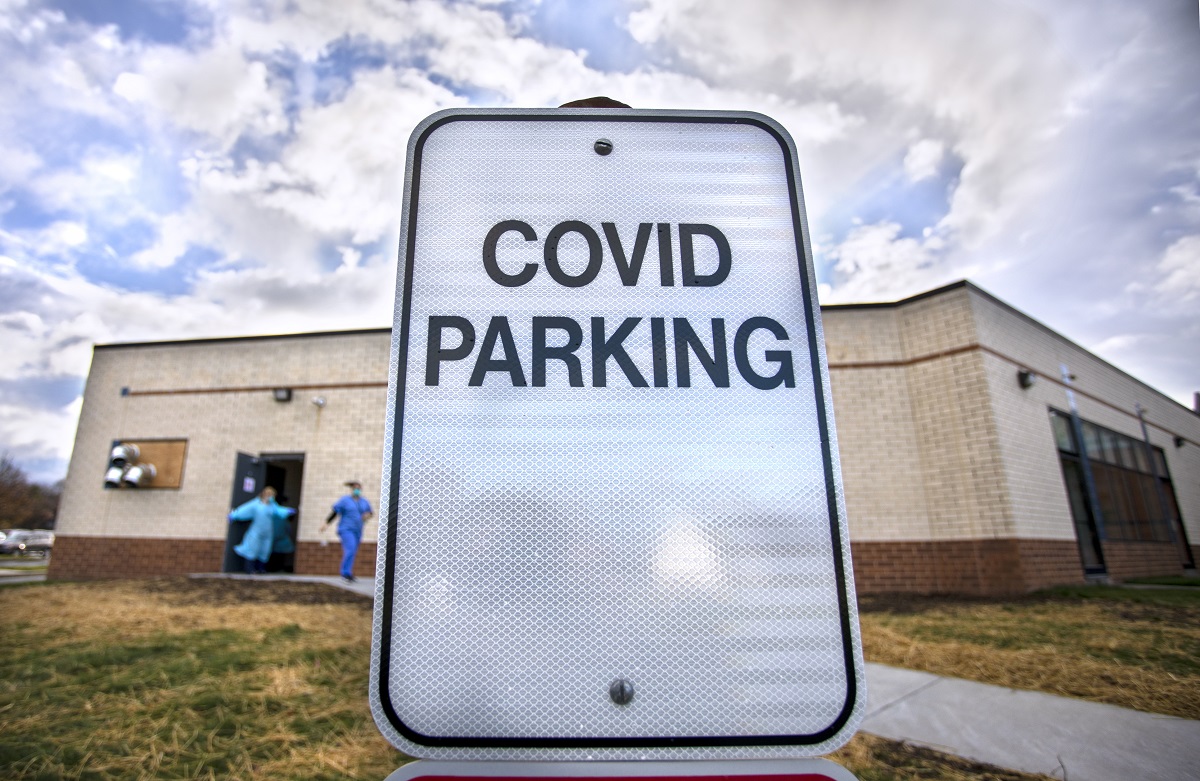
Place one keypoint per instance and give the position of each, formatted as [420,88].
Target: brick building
[965,470]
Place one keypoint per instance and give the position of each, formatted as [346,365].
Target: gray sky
[187,169]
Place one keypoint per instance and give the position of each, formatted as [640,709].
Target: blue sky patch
[41,392]
[593,26]
[886,194]
[103,269]
[158,21]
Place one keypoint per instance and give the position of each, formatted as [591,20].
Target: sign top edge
[438,118]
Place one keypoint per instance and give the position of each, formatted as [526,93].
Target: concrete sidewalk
[363,586]
[1061,737]
[1029,731]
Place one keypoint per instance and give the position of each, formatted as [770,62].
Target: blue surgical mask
[357,492]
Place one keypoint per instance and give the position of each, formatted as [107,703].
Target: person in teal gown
[261,512]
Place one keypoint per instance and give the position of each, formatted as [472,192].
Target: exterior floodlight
[1026,378]
[124,453]
[119,458]
[139,475]
[282,394]
[112,478]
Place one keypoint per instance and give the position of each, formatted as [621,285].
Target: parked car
[27,543]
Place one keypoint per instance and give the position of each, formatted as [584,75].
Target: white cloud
[39,433]
[875,264]
[986,78]
[343,173]
[16,166]
[923,159]
[1180,269]
[217,91]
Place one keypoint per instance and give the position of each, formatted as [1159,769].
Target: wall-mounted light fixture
[1026,378]
[282,394]
[319,402]
[139,474]
[124,469]
[1179,441]
[119,459]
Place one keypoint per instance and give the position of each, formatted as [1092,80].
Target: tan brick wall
[1105,395]
[342,440]
[918,442]
[880,455]
[940,443]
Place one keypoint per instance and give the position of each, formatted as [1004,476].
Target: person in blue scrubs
[353,510]
[262,512]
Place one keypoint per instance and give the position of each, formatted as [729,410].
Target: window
[1132,506]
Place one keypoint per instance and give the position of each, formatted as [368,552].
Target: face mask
[357,492]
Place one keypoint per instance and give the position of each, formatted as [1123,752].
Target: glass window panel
[1169,496]
[1109,494]
[1091,442]
[1160,460]
[1164,516]
[1138,504]
[1063,436]
[1141,460]
[1112,447]
[1089,546]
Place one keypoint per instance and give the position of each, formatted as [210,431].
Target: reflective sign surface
[611,523]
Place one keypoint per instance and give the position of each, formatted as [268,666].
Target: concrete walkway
[1061,737]
[363,586]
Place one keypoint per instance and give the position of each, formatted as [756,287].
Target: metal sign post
[611,522]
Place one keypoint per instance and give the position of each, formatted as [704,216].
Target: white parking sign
[611,521]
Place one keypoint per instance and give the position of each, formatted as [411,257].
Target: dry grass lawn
[180,678]
[1134,648]
[186,679]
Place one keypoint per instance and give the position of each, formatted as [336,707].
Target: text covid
[679,349]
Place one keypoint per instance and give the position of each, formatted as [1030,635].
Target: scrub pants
[350,540]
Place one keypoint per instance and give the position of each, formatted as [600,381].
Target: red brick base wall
[1141,559]
[976,567]
[313,558]
[89,558]
[997,567]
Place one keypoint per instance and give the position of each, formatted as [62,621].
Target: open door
[285,473]
[249,477]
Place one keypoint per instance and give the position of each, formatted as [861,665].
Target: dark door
[249,478]
[285,473]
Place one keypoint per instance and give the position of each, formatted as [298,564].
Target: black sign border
[408,243]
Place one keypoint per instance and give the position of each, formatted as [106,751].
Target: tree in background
[24,504]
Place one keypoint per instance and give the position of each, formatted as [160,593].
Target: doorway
[285,473]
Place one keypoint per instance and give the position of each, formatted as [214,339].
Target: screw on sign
[612,525]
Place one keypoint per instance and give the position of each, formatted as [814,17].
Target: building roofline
[911,299]
[973,288]
[228,339]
